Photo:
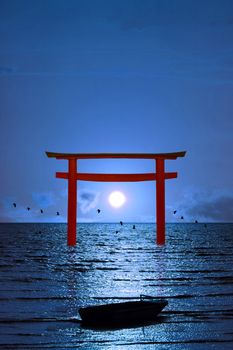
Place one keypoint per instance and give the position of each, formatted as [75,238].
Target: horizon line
[117,222]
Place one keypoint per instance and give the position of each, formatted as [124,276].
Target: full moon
[116,199]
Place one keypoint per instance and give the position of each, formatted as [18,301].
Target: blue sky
[116,76]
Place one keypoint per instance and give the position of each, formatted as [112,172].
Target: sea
[43,282]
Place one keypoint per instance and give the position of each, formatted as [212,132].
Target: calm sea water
[43,282]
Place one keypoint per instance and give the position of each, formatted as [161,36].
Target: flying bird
[14,204]
[41,211]
[174,212]
[182,218]
[28,208]
[58,213]
[98,211]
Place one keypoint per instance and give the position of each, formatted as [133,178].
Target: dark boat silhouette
[122,314]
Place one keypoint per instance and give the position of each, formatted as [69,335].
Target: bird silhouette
[121,222]
[196,222]
[41,211]
[58,213]
[134,227]
[28,208]
[174,212]
[14,204]
[98,211]
[182,218]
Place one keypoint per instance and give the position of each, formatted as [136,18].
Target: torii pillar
[159,176]
[72,201]
[160,201]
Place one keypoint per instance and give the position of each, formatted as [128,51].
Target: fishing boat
[144,309]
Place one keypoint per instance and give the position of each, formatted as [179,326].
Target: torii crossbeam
[159,176]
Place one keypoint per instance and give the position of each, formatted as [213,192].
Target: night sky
[116,76]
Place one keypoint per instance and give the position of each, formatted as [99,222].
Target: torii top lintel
[173,155]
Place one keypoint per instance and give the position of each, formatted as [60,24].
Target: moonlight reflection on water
[44,282]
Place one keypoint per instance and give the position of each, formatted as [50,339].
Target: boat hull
[122,313]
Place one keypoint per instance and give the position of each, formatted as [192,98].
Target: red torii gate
[159,176]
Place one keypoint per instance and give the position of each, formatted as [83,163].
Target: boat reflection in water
[131,313]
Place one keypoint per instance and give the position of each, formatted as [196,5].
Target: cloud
[216,209]
[6,71]
[183,68]
[43,199]
[208,206]
[87,200]
[139,15]
[9,213]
